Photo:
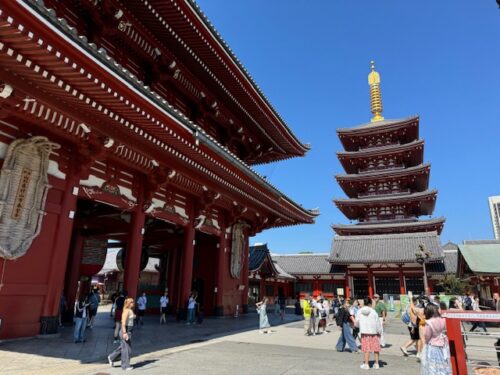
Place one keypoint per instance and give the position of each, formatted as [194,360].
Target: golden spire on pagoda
[375,94]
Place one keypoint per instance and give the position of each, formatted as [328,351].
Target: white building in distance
[495,215]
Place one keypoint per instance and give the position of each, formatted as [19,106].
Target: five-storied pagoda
[386,182]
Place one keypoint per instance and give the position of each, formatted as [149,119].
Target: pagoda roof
[413,152]
[348,182]
[181,142]
[384,248]
[390,227]
[351,207]
[355,137]
[377,126]
[382,150]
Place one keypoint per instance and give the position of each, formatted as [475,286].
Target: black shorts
[92,312]
[414,333]
[164,310]
[141,312]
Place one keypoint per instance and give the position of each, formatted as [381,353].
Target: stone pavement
[218,346]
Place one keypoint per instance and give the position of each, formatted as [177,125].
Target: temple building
[386,182]
[131,125]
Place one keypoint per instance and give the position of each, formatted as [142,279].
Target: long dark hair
[431,311]
[453,303]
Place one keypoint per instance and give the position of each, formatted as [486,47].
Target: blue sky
[438,59]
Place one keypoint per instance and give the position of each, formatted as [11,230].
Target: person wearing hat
[381,310]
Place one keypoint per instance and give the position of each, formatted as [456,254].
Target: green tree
[453,285]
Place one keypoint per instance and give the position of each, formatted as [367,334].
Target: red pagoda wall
[25,290]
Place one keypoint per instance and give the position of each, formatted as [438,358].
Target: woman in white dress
[263,320]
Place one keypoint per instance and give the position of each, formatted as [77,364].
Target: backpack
[468,303]
[339,318]
[405,318]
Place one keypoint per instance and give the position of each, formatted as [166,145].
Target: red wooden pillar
[401,281]
[49,319]
[134,252]
[187,266]
[221,272]
[73,276]
[244,276]
[172,276]
[316,287]
[347,286]
[457,349]
[370,282]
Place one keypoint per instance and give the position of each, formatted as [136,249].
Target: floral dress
[436,353]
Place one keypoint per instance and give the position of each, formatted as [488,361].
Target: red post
[134,252]
[221,271]
[172,276]
[401,281]
[347,287]
[457,350]
[59,256]
[187,264]
[370,283]
[74,271]
[244,276]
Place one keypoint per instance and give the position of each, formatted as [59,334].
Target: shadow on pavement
[147,338]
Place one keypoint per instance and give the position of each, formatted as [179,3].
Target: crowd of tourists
[360,323]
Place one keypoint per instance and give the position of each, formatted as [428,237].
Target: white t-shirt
[141,303]
[191,303]
[163,301]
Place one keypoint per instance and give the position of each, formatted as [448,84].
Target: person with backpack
[344,321]
[436,355]
[411,319]
[94,301]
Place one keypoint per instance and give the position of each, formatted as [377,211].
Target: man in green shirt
[382,314]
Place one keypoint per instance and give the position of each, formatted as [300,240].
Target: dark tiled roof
[451,260]
[304,264]
[384,248]
[450,246]
[282,274]
[257,255]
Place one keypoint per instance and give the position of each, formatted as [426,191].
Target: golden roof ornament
[375,94]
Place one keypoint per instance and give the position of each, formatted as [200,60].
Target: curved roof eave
[244,72]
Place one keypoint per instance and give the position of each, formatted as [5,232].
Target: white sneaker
[129,368]
[376,366]
[110,361]
[364,366]
[404,351]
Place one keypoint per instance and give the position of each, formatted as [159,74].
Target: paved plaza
[218,346]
